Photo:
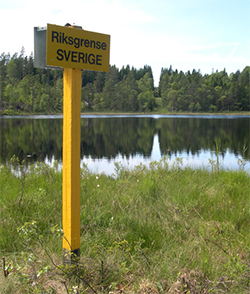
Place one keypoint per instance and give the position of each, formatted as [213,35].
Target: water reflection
[202,159]
[130,140]
[156,150]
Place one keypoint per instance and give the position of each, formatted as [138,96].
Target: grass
[146,230]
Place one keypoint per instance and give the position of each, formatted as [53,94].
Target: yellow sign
[76,48]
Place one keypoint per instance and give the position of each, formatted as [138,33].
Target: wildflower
[98,186]
[97,177]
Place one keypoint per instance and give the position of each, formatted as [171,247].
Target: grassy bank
[148,230]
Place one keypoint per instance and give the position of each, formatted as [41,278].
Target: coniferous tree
[28,89]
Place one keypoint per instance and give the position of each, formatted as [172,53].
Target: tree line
[26,89]
[209,93]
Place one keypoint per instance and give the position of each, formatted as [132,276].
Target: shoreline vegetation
[156,229]
[234,113]
[25,89]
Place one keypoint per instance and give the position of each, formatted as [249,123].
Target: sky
[205,35]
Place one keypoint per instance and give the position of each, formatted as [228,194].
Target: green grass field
[148,230]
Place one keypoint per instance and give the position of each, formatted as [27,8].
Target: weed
[148,230]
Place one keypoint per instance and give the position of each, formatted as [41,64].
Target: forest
[26,89]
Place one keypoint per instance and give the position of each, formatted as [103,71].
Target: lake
[131,140]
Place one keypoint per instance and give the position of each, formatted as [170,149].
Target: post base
[71,257]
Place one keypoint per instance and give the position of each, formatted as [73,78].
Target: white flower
[97,177]
[98,186]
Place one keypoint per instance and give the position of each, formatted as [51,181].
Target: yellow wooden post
[71,162]
[74,50]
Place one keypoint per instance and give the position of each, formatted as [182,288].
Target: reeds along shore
[152,229]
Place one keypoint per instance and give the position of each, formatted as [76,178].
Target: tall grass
[148,230]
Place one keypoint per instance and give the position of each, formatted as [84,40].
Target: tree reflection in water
[129,139]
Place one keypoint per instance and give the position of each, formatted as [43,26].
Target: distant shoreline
[238,113]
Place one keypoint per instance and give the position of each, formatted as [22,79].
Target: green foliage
[24,89]
[168,229]
[28,90]
[31,189]
[209,93]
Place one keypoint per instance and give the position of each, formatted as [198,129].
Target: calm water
[131,140]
